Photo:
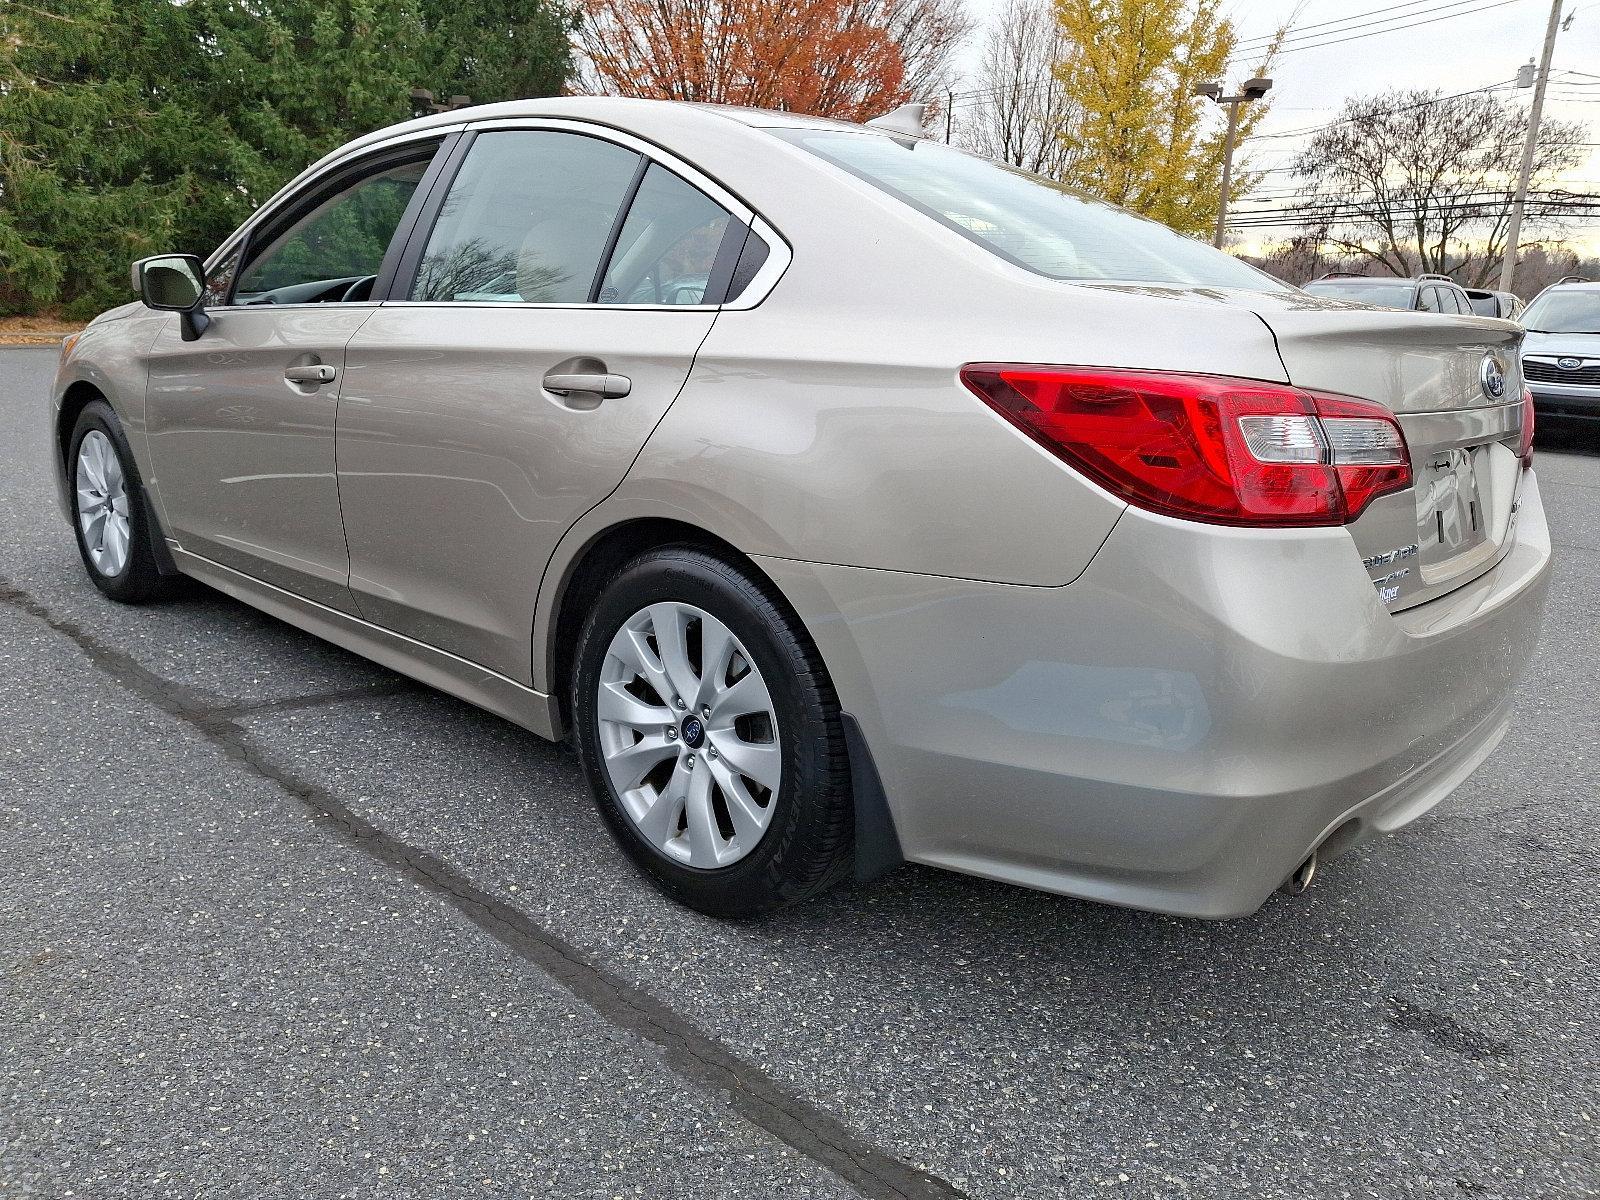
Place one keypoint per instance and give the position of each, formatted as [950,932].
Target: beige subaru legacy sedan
[847,499]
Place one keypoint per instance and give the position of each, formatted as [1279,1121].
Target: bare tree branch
[1023,115]
[1419,181]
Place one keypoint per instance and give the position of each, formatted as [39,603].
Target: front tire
[108,508]
[711,736]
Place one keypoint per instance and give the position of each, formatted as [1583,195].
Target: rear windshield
[1389,295]
[1025,219]
[1564,312]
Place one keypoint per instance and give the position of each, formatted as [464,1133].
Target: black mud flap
[877,843]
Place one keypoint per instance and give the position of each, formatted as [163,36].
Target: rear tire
[684,787]
[108,508]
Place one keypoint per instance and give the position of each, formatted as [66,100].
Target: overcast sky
[1482,42]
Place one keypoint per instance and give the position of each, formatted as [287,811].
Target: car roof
[768,118]
[1347,280]
[1414,281]
[624,112]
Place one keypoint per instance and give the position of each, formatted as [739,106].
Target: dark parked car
[1506,305]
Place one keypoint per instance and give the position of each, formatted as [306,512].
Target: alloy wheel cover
[689,735]
[103,504]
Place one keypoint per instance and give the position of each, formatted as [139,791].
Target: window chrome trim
[779,256]
[690,174]
[780,253]
[311,179]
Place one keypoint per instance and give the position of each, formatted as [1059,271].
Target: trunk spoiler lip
[1304,314]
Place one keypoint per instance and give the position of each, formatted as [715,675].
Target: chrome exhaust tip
[1300,878]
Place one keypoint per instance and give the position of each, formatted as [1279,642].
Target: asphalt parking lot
[276,922]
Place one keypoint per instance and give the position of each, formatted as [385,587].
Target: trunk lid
[1455,384]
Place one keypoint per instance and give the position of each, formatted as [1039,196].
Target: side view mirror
[174,283]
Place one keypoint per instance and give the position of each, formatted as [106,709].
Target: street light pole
[1508,264]
[1227,166]
[1253,89]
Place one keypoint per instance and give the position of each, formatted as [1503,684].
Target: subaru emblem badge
[1569,364]
[1492,375]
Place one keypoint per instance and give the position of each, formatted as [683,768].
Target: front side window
[1564,312]
[333,252]
[527,219]
[668,244]
[1026,219]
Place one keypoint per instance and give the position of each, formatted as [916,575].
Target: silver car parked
[1561,354]
[846,498]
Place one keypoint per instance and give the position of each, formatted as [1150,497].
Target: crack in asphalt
[690,1053]
[365,691]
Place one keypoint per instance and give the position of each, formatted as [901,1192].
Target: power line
[1480,198]
[1391,29]
[959,98]
[1542,204]
[1293,37]
[1266,39]
[1388,112]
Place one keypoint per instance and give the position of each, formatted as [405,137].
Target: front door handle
[314,375]
[607,387]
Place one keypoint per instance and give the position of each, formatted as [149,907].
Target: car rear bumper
[1182,725]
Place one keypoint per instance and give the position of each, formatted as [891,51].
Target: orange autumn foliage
[851,59]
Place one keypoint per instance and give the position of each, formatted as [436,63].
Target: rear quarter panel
[829,423]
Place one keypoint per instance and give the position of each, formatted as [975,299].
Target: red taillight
[1205,447]
[1525,449]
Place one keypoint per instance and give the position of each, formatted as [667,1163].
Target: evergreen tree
[97,165]
[131,127]
[497,49]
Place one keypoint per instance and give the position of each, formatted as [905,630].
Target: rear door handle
[607,387]
[314,374]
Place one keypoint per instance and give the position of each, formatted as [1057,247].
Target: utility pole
[949,113]
[1253,89]
[1508,265]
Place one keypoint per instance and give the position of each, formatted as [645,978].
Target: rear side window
[667,249]
[1025,219]
[527,219]
[1430,300]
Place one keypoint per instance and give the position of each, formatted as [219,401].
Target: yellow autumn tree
[1143,139]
